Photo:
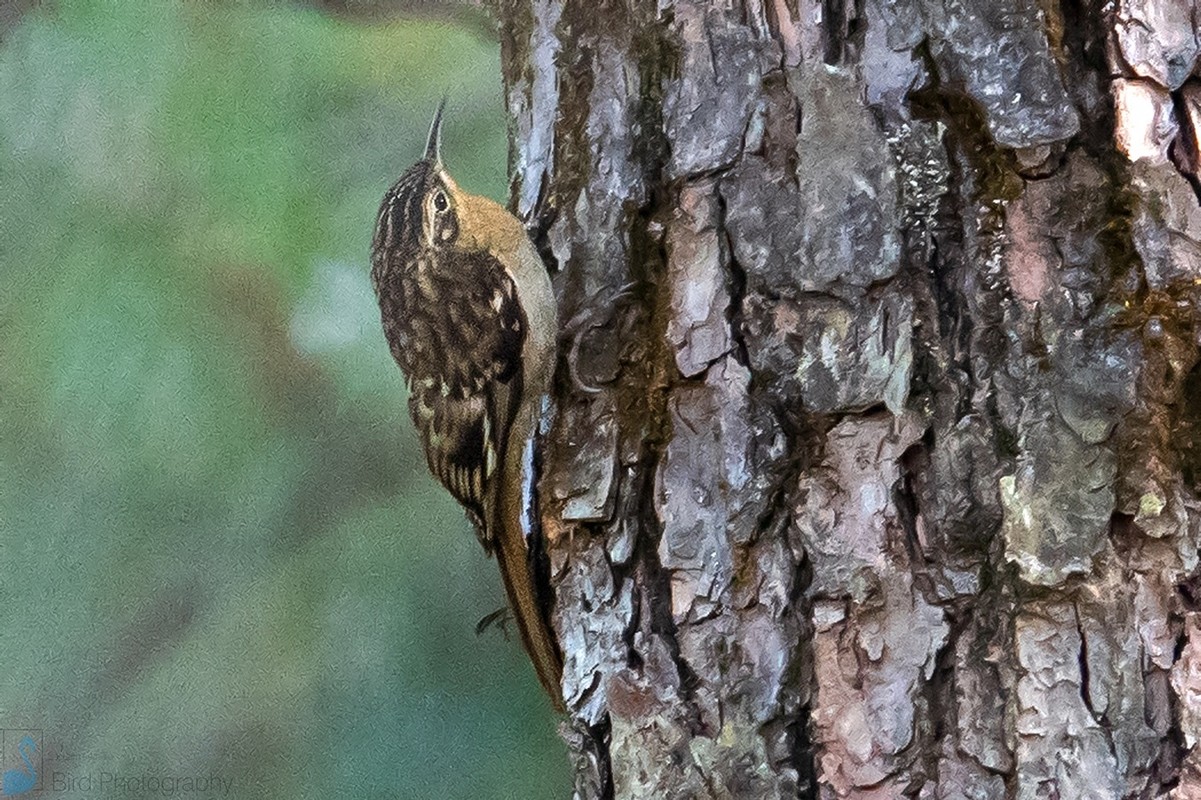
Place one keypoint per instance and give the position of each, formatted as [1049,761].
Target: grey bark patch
[981,691]
[997,51]
[1058,503]
[710,489]
[867,706]
[585,488]
[848,542]
[1167,227]
[833,226]
[706,109]
[957,491]
[1061,748]
[901,20]
[1094,383]
[696,266]
[1115,692]
[890,66]
[832,355]
[1157,39]
[534,104]
[593,644]
[848,192]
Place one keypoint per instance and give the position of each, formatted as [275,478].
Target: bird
[470,317]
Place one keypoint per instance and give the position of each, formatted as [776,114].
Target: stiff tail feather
[517,572]
[513,516]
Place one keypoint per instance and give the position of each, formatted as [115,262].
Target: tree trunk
[876,464]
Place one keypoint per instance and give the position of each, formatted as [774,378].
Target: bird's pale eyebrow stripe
[412,208]
[389,237]
[379,221]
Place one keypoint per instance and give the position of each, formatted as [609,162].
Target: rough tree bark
[882,476]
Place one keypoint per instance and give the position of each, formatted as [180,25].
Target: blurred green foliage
[221,553]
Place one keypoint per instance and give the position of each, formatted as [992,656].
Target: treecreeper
[470,317]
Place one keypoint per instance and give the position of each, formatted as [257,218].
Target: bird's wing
[465,371]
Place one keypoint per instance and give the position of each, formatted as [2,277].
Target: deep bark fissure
[737,288]
[1183,149]
[835,30]
[1187,430]
[1082,663]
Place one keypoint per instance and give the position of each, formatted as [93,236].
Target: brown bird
[470,317]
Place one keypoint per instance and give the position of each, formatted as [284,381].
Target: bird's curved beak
[433,145]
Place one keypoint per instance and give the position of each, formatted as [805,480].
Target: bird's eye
[440,203]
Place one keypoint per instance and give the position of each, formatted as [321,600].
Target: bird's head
[422,209]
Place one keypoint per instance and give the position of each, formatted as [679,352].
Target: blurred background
[220,552]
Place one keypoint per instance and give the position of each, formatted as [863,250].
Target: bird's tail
[514,519]
[517,571]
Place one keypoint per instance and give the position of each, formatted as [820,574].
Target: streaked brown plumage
[469,316]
